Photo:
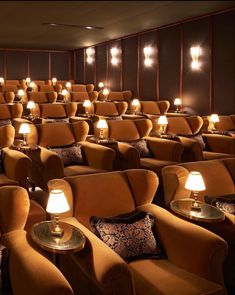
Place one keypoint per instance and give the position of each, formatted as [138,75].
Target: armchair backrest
[7,97]
[110,108]
[61,134]
[79,96]
[10,111]
[10,88]
[82,87]
[58,110]
[118,95]
[154,107]
[225,123]
[184,125]
[127,130]
[123,192]
[218,175]
[42,97]
[7,135]
[46,88]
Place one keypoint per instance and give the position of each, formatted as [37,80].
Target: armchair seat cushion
[213,155]
[154,164]
[80,170]
[152,277]
[4,180]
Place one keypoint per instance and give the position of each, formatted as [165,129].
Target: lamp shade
[101,84]
[32,84]
[106,91]
[68,84]
[24,128]
[30,105]
[162,120]
[27,80]
[135,102]
[102,124]
[87,103]
[195,182]
[57,202]
[54,80]
[214,118]
[21,92]
[64,92]
[177,101]
[1,80]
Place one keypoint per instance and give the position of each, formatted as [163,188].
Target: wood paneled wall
[210,89]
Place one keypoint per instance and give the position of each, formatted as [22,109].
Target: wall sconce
[195,53]
[148,61]
[31,106]
[68,85]
[105,93]
[87,105]
[135,103]
[25,130]
[54,80]
[114,56]
[102,124]
[162,121]
[1,81]
[90,52]
[195,184]
[177,103]
[57,204]
[214,118]
[27,80]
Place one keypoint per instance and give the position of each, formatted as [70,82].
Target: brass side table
[207,213]
[73,240]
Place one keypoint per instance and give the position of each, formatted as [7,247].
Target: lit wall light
[1,81]
[195,53]
[148,61]
[90,52]
[114,56]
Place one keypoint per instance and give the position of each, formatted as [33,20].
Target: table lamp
[32,86]
[68,86]
[177,103]
[64,94]
[1,81]
[102,124]
[87,105]
[162,121]
[20,94]
[105,93]
[214,118]
[57,204]
[31,106]
[195,184]
[27,80]
[54,80]
[25,130]
[135,103]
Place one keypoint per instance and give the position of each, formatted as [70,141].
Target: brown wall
[211,89]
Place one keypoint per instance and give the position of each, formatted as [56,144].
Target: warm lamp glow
[101,85]
[177,103]
[214,118]
[54,80]
[64,92]
[24,129]
[136,103]
[68,85]
[162,121]
[148,61]
[20,93]
[114,53]
[102,124]
[87,105]
[105,93]
[90,52]
[32,84]
[30,105]
[195,53]
[195,184]
[27,80]
[57,204]
[1,80]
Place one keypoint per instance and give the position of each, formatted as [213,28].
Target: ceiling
[21,22]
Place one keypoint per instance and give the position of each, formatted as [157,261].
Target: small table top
[93,139]
[207,213]
[18,145]
[73,239]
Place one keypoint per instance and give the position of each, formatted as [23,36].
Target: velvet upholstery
[152,108]
[125,95]
[10,111]
[42,97]
[7,97]
[105,272]
[226,123]
[81,96]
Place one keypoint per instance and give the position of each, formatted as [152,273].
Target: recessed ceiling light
[73,26]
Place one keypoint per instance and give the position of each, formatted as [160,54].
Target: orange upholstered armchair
[219,178]
[63,152]
[125,95]
[42,97]
[26,263]
[152,109]
[7,97]
[98,269]
[10,111]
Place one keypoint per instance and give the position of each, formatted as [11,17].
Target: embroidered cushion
[198,137]
[5,288]
[225,203]
[71,155]
[5,122]
[130,235]
[58,120]
[141,146]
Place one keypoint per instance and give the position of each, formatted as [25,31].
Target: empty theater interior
[117,147]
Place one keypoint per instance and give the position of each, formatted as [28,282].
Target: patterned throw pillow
[131,235]
[141,146]
[225,203]
[5,122]
[71,155]
[5,288]
[58,120]
[198,137]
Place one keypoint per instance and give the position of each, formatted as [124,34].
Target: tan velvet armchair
[42,97]
[125,95]
[152,109]
[7,97]
[219,178]
[47,164]
[30,271]
[190,267]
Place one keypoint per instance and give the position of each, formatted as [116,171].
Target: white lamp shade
[177,101]
[106,91]
[101,84]
[30,105]
[27,80]
[102,124]
[162,120]
[54,80]
[64,92]
[135,102]
[195,182]
[214,118]
[68,85]
[57,202]
[21,92]
[87,103]
[32,84]
[1,80]
[24,128]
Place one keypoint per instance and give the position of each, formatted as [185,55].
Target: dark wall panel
[223,101]
[2,70]
[129,64]
[39,65]
[17,65]
[60,65]
[169,63]
[79,66]
[196,83]
[115,71]
[101,64]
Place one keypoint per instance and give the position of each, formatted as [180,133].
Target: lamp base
[57,233]
[196,206]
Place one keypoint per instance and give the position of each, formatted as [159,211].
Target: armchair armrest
[127,156]
[190,246]
[16,166]
[220,143]
[192,149]
[165,149]
[23,260]
[101,264]
[98,156]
